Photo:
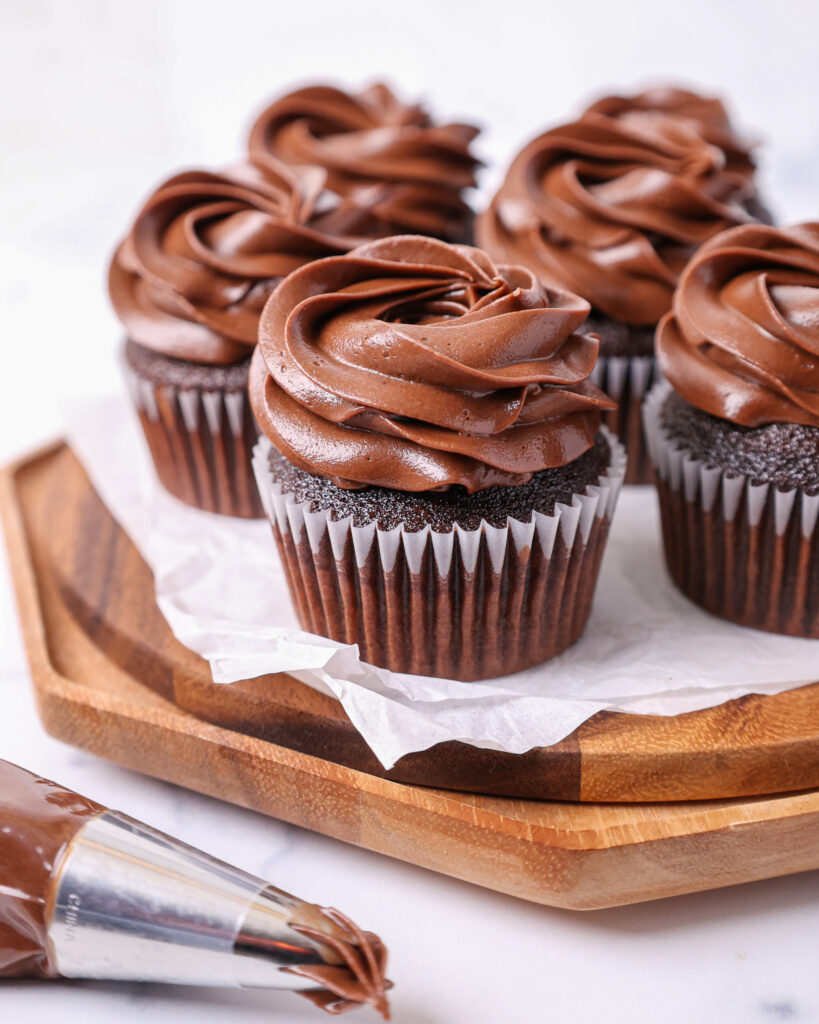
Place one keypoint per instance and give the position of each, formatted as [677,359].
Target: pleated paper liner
[743,550]
[627,380]
[201,443]
[465,604]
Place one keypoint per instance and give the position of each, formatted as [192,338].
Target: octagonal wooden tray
[108,679]
[750,746]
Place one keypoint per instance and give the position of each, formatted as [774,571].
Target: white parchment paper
[219,584]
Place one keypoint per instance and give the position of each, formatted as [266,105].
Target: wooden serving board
[91,692]
[751,746]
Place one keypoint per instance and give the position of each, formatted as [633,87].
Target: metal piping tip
[131,903]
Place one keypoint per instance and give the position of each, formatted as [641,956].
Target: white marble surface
[107,97]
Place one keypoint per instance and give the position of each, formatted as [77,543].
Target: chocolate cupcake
[734,433]
[189,283]
[611,207]
[390,168]
[432,460]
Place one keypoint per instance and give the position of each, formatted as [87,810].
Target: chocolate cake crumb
[180,373]
[443,509]
[783,454]
[619,339]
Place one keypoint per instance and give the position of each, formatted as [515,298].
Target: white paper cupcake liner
[627,380]
[465,604]
[744,550]
[201,443]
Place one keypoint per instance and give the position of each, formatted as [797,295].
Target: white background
[99,100]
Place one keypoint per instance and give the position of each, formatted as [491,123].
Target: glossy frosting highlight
[205,252]
[742,340]
[612,208]
[418,365]
[390,167]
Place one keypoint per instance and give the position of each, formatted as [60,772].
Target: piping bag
[87,892]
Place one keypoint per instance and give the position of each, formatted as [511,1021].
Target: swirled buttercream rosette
[706,114]
[389,167]
[734,434]
[432,460]
[611,206]
[188,283]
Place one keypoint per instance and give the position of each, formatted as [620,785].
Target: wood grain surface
[751,746]
[90,684]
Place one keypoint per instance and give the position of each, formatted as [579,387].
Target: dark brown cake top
[206,250]
[783,454]
[391,168]
[612,206]
[742,340]
[417,365]
[443,510]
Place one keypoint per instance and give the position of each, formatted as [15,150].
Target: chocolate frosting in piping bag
[42,829]
[360,974]
[742,340]
[204,253]
[418,365]
[391,168]
[38,820]
[612,207]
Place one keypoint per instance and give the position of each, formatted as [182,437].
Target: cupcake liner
[743,550]
[465,604]
[627,379]
[201,443]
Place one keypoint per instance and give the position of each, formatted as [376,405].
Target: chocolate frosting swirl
[612,207]
[742,340]
[707,114]
[358,973]
[391,168]
[418,365]
[205,252]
